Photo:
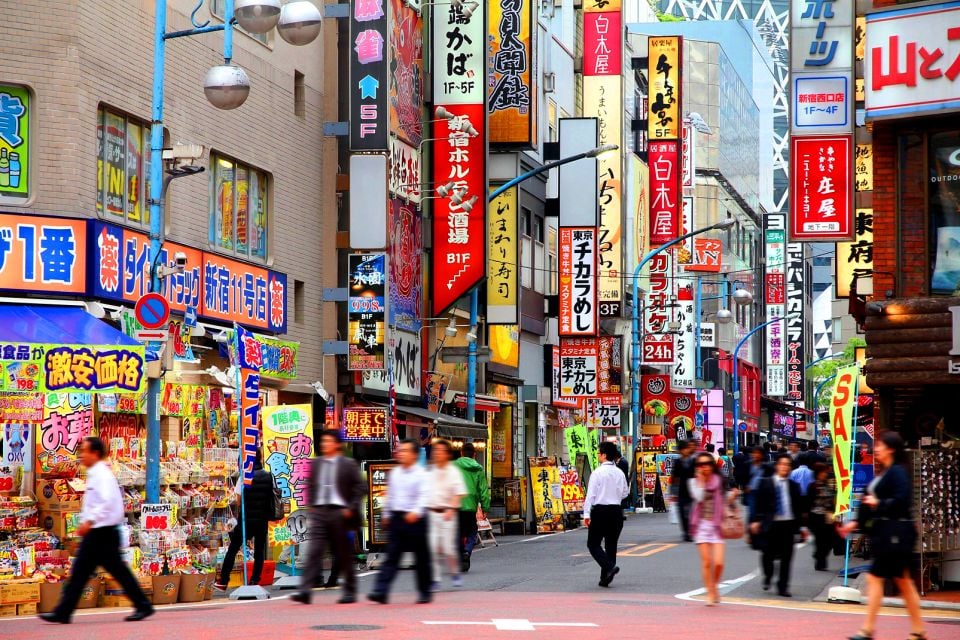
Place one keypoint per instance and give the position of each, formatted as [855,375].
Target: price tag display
[158,517]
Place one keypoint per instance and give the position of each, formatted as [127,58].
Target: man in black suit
[682,472]
[779,513]
[336,488]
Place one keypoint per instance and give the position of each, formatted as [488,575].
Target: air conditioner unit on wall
[549,82]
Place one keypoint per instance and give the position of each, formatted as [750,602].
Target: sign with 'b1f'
[158,517]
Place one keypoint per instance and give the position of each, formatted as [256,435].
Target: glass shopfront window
[943,162]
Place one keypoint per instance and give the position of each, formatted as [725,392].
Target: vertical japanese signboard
[459,73]
[14,141]
[842,405]
[684,364]
[664,118]
[796,352]
[368,75]
[248,362]
[578,281]
[821,68]
[664,191]
[405,266]
[775,269]
[910,60]
[366,311]
[288,447]
[512,99]
[579,367]
[821,205]
[855,259]
[603,99]
[658,345]
[503,255]
[406,74]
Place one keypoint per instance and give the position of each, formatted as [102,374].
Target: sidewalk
[938,601]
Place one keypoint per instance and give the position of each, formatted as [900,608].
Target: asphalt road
[542,586]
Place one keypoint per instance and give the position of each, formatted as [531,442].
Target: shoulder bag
[732,527]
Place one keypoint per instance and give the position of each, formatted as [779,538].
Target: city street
[545,585]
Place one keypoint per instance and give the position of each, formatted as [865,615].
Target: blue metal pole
[156,229]
[635,327]
[816,398]
[736,382]
[853,449]
[228,32]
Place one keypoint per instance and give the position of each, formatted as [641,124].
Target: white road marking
[509,624]
[725,587]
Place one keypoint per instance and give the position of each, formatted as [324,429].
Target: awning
[57,325]
[489,404]
[447,425]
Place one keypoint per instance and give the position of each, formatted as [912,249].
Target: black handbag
[892,536]
[276,503]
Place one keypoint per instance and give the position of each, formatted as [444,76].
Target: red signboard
[578,281]
[665,178]
[821,201]
[658,345]
[776,288]
[459,232]
[601,44]
[707,255]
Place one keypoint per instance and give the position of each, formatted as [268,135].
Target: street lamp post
[736,380]
[475,294]
[635,323]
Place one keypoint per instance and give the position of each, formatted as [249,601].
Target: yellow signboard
[602,99]
[602,6]
[504,341]
[855,258]
[842,426]
[639,211]
[663,74]
[863,173]
[503,253]
[547,490]
[512,98]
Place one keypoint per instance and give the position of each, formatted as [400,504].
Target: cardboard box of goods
[19,591]
[59,523]
[60,495]
[90,596]
[8,610]
[28,609]
[49,596]
[115,601]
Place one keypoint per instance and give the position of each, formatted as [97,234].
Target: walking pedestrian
[777,517]
[602,512]
[254,510]
[886,517]
[823,495]
[335,488]
[802,474]
[706,520]
[101,515]
[682,471]
[447,490]
[477,498]
[408,490]
[816,455]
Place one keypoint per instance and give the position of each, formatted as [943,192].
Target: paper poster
[547,494]
[288,448]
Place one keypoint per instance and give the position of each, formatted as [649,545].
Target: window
[944,208]
[552,263]
[299,95]
[539,257]
[837,324]
[552,135]
[123,168]
[526,249]
[299,301]
[238,211]
[217,7]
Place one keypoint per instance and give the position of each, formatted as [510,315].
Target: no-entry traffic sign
[152,310]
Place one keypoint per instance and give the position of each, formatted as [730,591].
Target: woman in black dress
[886,517]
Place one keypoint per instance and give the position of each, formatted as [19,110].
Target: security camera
[178,266]
[180,260]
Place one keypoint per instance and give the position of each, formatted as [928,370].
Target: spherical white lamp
[742,297]
[226,86]
[724,316]
[300,22]
[257,16]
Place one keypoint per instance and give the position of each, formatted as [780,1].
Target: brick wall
[78,54]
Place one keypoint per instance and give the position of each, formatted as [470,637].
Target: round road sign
[152,310]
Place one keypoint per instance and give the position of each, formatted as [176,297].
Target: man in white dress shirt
[603,514]
[100,518]
[447,490]
[404,516]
